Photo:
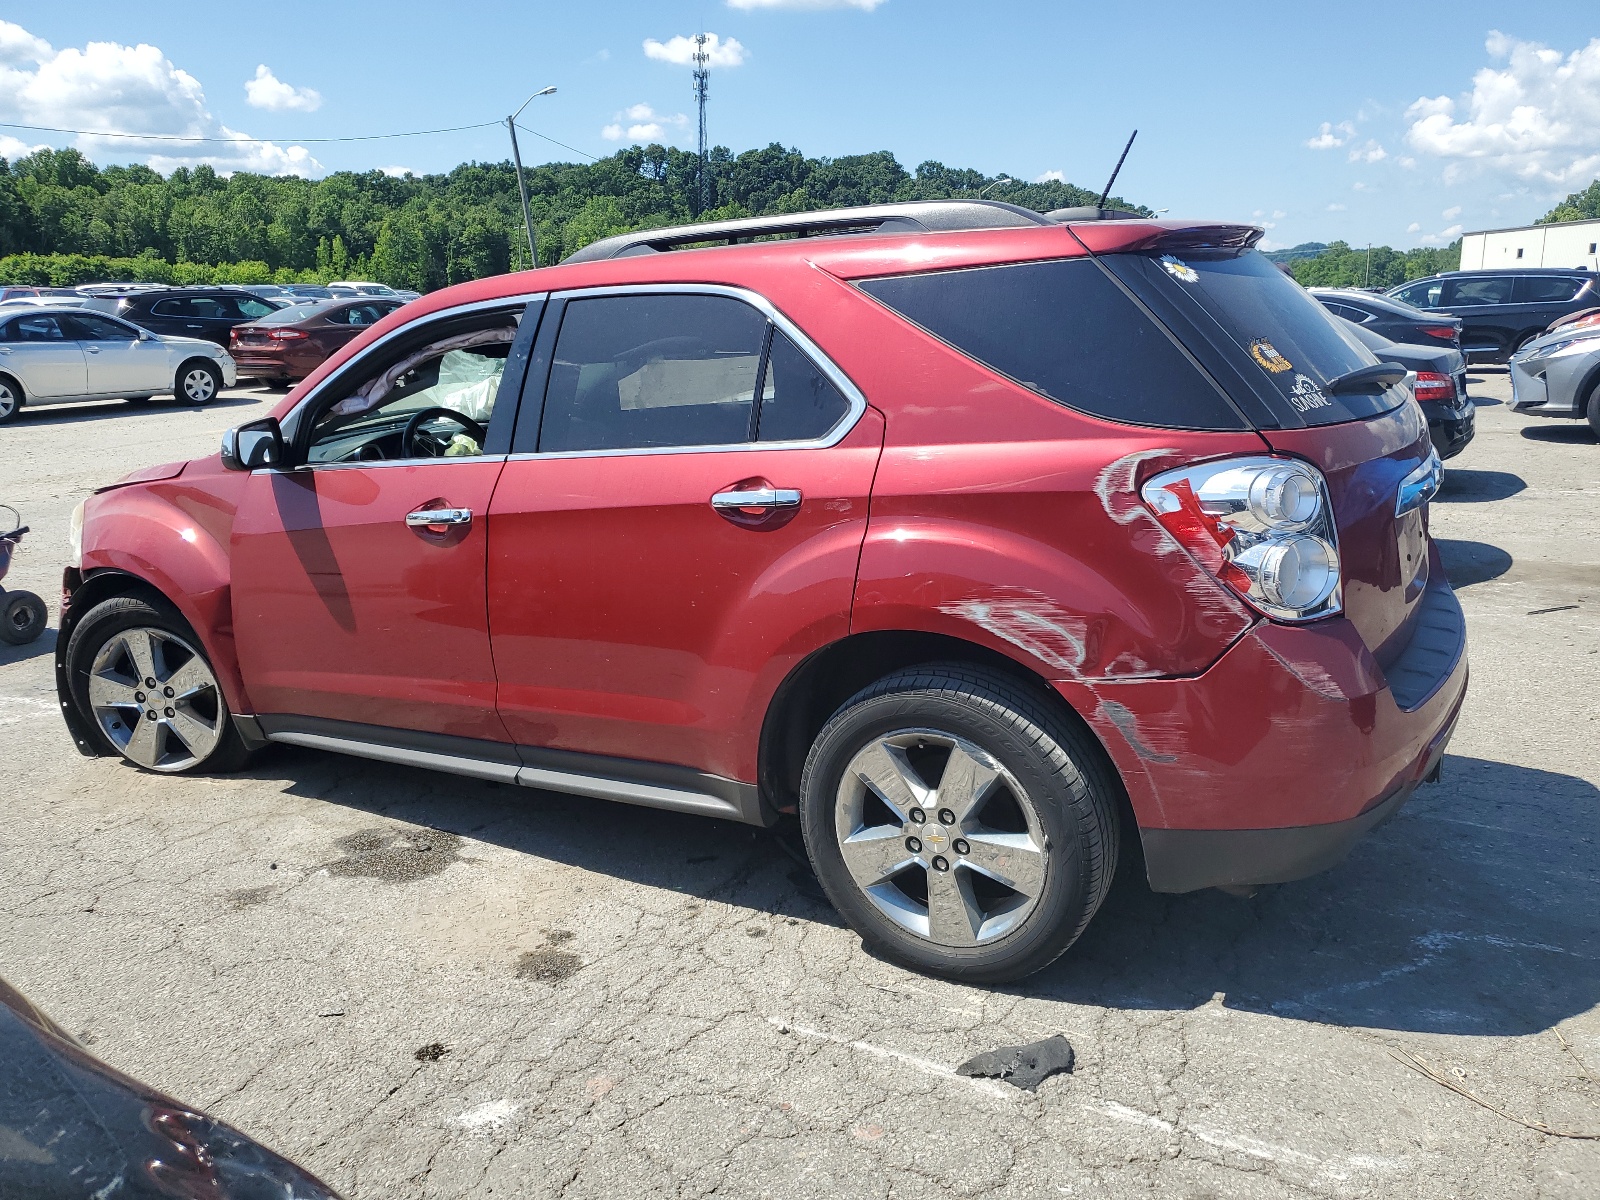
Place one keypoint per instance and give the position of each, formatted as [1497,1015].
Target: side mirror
[253,446]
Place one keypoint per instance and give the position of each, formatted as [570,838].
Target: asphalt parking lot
[425,986]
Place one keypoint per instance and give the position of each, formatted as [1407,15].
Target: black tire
[123,615]
[189,388]
[1064,779]
[12,399]
[1594,409]
[23,617]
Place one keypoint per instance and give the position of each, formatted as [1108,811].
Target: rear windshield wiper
[1367,379]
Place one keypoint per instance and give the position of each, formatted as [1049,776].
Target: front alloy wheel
[140,678]
[156,700]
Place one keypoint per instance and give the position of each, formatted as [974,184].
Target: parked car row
[1502,311]
[135,342]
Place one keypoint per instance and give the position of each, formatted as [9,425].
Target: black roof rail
[911,216]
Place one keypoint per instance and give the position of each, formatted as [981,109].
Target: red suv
[979,540]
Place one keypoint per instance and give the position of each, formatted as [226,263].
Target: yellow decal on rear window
[1268,358]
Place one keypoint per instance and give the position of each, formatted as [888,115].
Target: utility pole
[702,85]
[1366,280]
[522,186]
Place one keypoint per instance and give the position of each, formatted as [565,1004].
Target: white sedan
[53,354]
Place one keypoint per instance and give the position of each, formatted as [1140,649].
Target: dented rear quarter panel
[172,532]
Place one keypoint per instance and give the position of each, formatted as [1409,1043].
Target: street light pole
[522,186]
[995,184]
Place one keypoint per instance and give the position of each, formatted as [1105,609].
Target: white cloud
[134,89]
[267,91]
[1536,118]
[1372,152]
[1337,207]
[1051,177]
[12,148]
[1331,136]
[641,123]
[1358,186]
[680,51]
[1413,228]
[863,5]
[397,172]
[1443,237]
[1451,213]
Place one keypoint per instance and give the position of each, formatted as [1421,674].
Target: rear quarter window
[1276,339]
[1546,289]
[1064,329]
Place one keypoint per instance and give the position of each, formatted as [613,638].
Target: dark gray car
[1501,311]
[1440,386]
[1558,375]
[1390,318]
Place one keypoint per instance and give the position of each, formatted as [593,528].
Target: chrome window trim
[853,395]
[410,327]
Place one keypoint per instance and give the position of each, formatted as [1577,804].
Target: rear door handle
[771,499]
[91,349]
[439,516]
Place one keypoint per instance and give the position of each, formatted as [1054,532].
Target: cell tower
[702,81]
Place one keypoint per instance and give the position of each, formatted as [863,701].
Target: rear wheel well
[815,689]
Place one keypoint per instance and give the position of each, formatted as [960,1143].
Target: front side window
[1426,294]
[170,308]
[635,372]
[435,401]
[94,328]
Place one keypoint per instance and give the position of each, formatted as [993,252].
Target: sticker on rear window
[1179,269]
[1268,358]
[1306,395]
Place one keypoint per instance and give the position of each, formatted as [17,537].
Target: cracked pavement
[424,986]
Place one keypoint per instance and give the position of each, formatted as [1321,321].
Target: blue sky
[1399,124]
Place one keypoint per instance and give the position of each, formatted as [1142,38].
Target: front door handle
[439,516]
[770,499]
[91,349]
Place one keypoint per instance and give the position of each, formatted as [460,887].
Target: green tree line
[1580,206]
[1341,265]
[63,220]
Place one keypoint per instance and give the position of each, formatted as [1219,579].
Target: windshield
[1281,343]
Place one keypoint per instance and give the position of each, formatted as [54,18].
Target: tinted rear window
[1066,330]
[1285,346]
[1546,289]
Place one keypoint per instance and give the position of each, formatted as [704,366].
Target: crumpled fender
[173,533]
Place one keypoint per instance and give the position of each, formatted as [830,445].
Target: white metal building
[1570,244]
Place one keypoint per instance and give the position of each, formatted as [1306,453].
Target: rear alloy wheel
[139,677]
[198,382]
[959,824]
[10,399]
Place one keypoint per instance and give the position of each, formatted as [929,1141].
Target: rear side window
[1065,330]
[1495,289]
[1284,345]
[798,403]
[635,372]
[1545,289]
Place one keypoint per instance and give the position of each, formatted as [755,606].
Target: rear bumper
[1450,429]
[1272,763]
[258,364]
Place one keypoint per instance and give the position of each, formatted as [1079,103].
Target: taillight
[286,335]
[1433,386]
[1263,526]
[1445,333]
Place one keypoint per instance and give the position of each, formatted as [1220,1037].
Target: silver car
[51,354]
[1558,375]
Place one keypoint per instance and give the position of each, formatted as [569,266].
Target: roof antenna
[1117,171]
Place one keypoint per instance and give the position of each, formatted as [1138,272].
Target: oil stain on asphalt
[548,965]
[395,855]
